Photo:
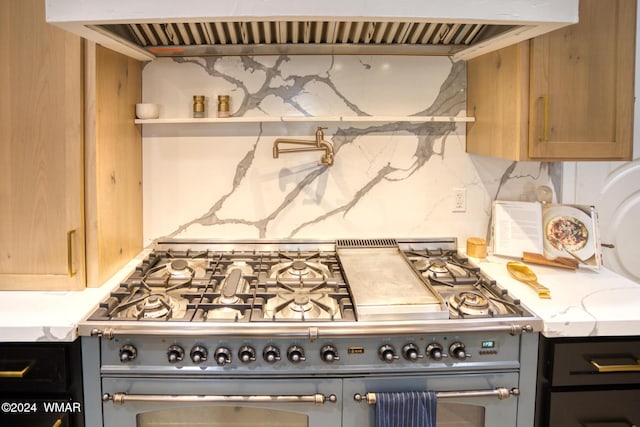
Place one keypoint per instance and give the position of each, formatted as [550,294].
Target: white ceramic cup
[147,111]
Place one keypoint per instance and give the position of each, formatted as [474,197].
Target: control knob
[457,350]
[329,353]
[128,353]
[222,355]
[271,354]
[247,354]
[435,351]
[410,352]
[175,354]
[198,354]
[295,354]
[387,353]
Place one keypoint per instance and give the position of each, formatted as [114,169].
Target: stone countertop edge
[583,303]
[53,316]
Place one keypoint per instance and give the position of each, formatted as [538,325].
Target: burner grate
[233,286]
[298,282]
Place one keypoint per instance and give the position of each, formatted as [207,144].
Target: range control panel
[282,355]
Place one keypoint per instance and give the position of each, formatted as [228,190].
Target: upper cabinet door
[582,85]
[41,158]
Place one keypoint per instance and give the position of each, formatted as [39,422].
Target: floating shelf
[302,119]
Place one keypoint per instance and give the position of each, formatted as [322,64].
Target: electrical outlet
[459,200]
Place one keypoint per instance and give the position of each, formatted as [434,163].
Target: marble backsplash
[389,179]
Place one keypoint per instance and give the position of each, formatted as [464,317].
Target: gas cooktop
[351,280]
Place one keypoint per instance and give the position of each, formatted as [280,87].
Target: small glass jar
[198,106]
[223,105]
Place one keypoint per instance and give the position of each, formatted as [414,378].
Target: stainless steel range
[305,333]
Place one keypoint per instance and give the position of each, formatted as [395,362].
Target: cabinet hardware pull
[70,271]
[501,393]
[545,118]
[616,368]
[16,374]
[122,398]
[607,423]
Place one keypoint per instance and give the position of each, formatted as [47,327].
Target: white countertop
[51,315]
[583,302]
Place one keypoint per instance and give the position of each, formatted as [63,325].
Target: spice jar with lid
[198,106]
[223,105]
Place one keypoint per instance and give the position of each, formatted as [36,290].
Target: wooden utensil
[562,262]
[521,272]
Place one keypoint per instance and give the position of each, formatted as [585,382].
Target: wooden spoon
[521,272]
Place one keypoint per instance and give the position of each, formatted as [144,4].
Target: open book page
[517,228]
[572,231]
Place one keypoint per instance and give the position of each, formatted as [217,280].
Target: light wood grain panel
[498,97]
[625,78]
[579,91]
[41,147]
[114,196]
[586,71]
[5,137]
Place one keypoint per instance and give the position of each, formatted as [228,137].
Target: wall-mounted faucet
[318,145]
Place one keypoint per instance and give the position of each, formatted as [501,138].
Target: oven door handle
[501,393]
[122,398]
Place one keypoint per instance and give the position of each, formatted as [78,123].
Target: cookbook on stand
[555,231]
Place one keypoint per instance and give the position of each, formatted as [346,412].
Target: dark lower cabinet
[588,382]
[41,385]
[601,408]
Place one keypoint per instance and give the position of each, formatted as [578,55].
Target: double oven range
[305,333]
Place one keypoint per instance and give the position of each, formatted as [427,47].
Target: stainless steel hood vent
[146,29]
[302,37]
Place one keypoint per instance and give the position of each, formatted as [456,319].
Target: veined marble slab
[389,179]
[583,303]
[46,316]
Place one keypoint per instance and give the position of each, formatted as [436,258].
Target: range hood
[463,29]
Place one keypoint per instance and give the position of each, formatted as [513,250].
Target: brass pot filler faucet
[318,145]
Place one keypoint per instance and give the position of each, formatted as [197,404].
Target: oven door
[217,402]
[472,409]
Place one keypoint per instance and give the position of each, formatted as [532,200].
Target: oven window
[459,415]
[219,416]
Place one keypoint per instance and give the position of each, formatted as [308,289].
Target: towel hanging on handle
[406,409]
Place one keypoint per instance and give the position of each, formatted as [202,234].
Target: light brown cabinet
[566,95]
[59,142]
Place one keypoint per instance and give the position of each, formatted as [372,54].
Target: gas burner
[175,271]
[152,306]
[438,266]
[471,303]
[445,269]
[233,284]
[227,300]
[180,269]
[302,303]
[302,307]
[301,269]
